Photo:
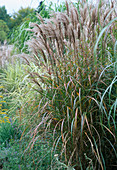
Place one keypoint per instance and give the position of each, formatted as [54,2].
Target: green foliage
[43,10]
[3,26]
[13,157]
[19,16]
[13,75]
[3,36]
[20,35]
[4,16]
[60,8]
[23,102]
[8,132]
[3,31]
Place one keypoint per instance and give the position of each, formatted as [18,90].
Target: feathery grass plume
[75,48]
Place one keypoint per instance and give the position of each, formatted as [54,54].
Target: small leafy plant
[8,132]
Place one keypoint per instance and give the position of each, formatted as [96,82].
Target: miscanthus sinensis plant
[77,50]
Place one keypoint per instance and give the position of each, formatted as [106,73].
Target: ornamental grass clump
[77,51]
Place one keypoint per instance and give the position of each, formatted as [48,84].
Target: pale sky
[14,5]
